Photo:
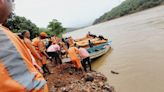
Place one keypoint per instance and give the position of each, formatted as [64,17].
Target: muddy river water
[137,51]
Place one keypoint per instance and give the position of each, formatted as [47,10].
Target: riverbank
[66,79]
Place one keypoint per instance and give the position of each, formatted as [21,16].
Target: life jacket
[16,69]
[35,42]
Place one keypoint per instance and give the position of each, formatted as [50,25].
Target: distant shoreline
[128,7]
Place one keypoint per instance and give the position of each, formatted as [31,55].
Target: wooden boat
[101,46]
[95,51]
[99,50]
[95,41]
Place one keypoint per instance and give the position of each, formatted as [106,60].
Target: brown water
[137,51]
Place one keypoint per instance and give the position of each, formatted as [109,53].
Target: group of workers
[53,48]
[22,61]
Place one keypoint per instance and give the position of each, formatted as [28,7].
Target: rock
[65,89]
[89,78]
[68,80]
[108,88]
[71,86]
[101,84]
[85,90]
[70,72]
[53,89]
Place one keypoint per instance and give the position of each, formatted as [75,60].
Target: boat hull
[96,51]
[100,53]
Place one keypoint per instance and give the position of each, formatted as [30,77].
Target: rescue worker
[71,41]
[34,54]
[73,53]
[42,48]
[64,48]
[16,69]
[39,45]
[86,61]
[53,51]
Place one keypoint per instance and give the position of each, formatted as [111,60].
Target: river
[137,51]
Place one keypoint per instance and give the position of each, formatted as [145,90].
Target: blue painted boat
[99,50]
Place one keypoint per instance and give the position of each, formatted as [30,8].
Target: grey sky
[72,13]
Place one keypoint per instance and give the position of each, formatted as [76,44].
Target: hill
[128,7]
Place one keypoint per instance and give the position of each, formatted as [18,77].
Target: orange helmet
[43,34]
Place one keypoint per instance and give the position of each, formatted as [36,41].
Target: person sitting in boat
[85,58]
[91,35]
[101,37]
[90,44]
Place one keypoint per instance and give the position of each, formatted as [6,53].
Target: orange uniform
[34,53]
[35,41]
[40,47]
[71,41]
[16,69]
[73,51]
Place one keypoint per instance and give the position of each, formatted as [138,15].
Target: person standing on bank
[36,58]
[53,51]
[73,53]
[85,58]
[42,49]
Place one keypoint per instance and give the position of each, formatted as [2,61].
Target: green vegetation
[128,7]
[18,24]
[55,28]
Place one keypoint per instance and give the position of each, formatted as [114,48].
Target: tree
[17,24]
[55,28]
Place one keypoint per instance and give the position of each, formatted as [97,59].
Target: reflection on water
[137,51]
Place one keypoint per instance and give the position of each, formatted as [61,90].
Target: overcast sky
[71,13]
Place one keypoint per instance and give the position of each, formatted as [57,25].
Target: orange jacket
[33,51]
[31,48]
[16,69]
[73,51]
[40,47]
[35,42]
